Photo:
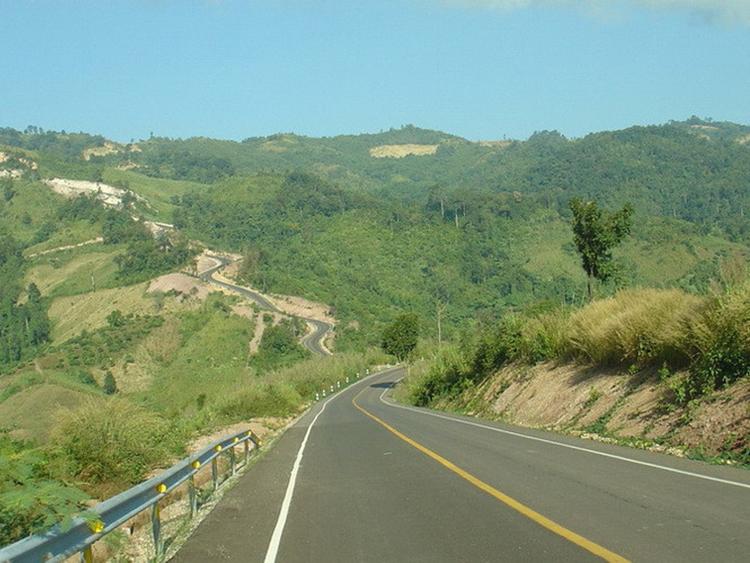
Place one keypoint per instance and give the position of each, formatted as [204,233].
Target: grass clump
[643,327]
[111,443]
[720,342]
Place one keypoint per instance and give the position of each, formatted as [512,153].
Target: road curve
[376,481]
[313,340]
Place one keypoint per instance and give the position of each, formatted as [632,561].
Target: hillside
[99,294]
[479,226]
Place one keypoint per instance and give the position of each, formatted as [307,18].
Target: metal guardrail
[59,543]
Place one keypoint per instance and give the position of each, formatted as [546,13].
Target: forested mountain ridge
[478,226]
[692,170]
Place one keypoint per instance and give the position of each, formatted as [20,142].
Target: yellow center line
[530,513]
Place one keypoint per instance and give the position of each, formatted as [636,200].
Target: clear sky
[482,69]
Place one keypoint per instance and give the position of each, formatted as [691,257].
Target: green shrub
[448,373]
[279,347]
[262,400]
[720,339]
[111,443]
[110,385]
[30,500]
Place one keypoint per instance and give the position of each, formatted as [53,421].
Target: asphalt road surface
[359,478]
[313,341]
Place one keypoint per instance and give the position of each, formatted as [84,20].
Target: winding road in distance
[313,341]
[361,478]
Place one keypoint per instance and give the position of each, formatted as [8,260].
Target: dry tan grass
[32,412]
[400,151]
[71,315]
[635,326]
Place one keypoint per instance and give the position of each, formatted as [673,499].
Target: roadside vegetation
[636,329]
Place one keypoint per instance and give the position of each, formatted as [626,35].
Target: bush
[720,342]
[279,399]
[30,500]
[279,347]
[643,327]
[111,443]
[110,385]
[447,374]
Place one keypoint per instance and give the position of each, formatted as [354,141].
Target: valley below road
[362,478]
[314,340]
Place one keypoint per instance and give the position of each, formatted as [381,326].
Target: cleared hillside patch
[400,151]
[73,314]
[32,412]
[75,271]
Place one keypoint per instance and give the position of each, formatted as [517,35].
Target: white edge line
[561,444]
[275,543]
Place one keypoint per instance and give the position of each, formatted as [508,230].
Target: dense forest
[24,326]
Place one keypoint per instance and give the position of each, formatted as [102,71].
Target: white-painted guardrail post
[338,385]
[247,450]
[331,388]
[347,379]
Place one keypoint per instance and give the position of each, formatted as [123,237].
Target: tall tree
[596,233]
[400,337]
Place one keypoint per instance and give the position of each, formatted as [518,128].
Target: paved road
[381,482]
[313,340]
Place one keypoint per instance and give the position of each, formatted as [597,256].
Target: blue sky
[482,69]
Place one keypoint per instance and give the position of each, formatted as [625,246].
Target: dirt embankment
[613,406]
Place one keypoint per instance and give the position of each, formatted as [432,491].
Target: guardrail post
[192,491]
[247,450]
[192,496]
[156,530]
[233,460]
[215,472]
[87,555]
